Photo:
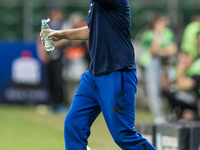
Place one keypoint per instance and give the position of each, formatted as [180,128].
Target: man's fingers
[53,35]
[42,38]
[43,42]
[49,35]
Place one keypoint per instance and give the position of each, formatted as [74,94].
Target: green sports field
[30,128]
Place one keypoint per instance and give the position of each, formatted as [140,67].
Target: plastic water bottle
[48,42]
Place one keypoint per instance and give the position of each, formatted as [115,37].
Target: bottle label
[49,45]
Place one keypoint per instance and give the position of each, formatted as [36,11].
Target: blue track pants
[114,95]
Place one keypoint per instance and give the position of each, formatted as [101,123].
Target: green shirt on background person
[189,42]
[147,38]
[193,70]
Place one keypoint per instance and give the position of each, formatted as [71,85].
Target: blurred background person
[76,58]
[65,64]
[158,44]
[191,37]
[184,92]
[53,59]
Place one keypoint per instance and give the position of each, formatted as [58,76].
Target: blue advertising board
[22,75]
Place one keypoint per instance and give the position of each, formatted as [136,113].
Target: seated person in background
[184,98]
[184,93]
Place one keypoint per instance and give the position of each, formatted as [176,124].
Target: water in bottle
[49,45]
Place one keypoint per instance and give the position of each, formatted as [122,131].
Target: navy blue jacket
[110,46]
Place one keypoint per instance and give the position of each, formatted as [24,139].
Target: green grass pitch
[24,128]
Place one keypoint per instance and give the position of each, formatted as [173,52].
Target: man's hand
[70,34]
[55,34]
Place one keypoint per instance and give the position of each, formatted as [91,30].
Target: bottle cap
[44,21]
